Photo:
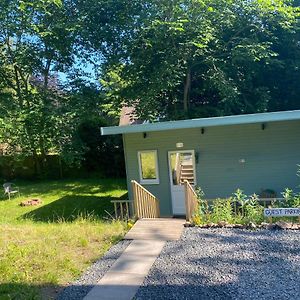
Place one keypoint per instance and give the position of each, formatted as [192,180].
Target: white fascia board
[204,122]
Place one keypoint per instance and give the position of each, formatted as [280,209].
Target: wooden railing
[146,205]
[191,201]
[123,209]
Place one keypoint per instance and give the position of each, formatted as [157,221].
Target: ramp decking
[163,229]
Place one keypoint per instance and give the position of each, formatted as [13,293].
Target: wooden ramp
[156,229]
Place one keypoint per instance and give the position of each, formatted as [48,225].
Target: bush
[222,211]
[253,210]
[199,216]
[290,198]
[238,209]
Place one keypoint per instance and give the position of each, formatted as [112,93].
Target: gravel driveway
[227,264]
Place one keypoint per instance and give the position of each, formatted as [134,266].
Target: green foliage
[240,200]
[36,38]
[221,211]
[197,58]
[51,245]
[201,213]
[38,114]
[291,199]
[254,212]
[238,209]
[200,193]
[106,151]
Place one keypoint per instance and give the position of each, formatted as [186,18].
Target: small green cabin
[254,152]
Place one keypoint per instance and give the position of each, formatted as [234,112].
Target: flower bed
[242,211]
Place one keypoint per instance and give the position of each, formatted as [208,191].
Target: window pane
[148,165]
[182,167]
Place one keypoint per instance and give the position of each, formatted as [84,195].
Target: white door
[181,168]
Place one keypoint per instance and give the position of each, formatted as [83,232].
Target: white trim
[148,181]
[205,122]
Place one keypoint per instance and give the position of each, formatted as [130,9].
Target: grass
[43,248]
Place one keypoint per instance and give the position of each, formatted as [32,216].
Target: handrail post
[135,210]
[186,194]
[190,200]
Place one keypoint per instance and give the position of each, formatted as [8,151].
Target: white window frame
[148,181]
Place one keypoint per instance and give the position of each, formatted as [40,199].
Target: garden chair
[10,189]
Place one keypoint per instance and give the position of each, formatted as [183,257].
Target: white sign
[282,212]
[179,145]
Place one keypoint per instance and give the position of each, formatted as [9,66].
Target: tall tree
[185,58]
[37,39]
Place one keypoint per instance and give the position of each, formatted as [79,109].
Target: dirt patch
[31,202]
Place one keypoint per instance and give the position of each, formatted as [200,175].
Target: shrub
[222,211]
[239,201]
[253,211]
[290,198]
[238,209]
[200,214]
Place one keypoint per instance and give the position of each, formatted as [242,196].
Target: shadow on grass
[69,208]
[79,186]
[23,291]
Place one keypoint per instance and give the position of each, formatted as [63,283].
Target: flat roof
[205,122]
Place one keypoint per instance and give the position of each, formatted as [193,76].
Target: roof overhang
[205,122]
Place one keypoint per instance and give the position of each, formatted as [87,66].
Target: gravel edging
[81,287]
[226,264]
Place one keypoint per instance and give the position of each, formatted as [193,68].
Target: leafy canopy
[180,58]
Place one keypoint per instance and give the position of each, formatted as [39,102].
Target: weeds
[238,209]
[291,199]
[222,211]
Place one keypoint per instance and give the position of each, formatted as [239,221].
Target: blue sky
[86,68]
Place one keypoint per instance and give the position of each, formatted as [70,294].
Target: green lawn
[43,248]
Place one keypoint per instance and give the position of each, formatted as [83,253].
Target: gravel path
[227,264]
[80,288]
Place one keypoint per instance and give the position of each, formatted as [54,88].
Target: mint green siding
[271,157]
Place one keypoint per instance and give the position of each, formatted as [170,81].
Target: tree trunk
[37,165]
[187,88]
[60,166]
[43,155]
